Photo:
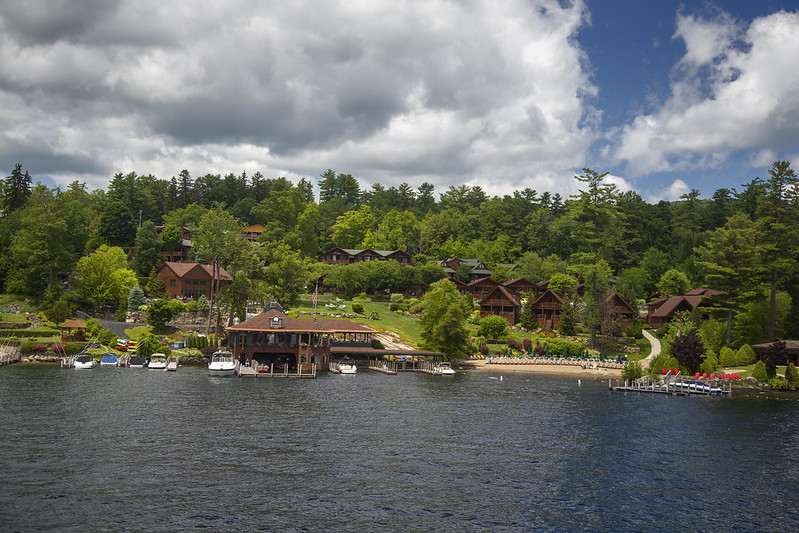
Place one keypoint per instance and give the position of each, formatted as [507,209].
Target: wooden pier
[673,387]
[268,371]
[384,367]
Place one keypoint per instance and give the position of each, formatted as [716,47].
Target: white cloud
[447,92]
[669,193]
[734,89]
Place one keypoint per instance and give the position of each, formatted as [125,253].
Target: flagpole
[314,301]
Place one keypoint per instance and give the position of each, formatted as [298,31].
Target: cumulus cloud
[670,193]
[446,92]
[733,90]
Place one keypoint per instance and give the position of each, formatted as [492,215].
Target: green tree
[147,249]
[746,356]
[493,327]
[759,372]
[171,239]
[732,259]
[16,189]
[781,216]
[673,283]
[352,227]
[631,284]
[443,321]
[599,220]
[216,241]
[104,278]
[568,317]
[562,283]
[776,354]
[135,298]
[159,312]
[116,224]
[285,274]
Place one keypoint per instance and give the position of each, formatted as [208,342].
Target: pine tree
[17,189]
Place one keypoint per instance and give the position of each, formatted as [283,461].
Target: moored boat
[109,359]
[343,367]
[444,368]
[157,362]
[222,364]
[695,387]
[136,362]
[83,362]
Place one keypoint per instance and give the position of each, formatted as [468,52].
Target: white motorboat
[222,364]
[444,368]
[343,367]
[157,362]
[84,362]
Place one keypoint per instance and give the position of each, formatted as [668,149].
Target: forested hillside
[741,240]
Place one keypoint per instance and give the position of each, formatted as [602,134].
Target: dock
[384,367]
[673,387]
[172,363]
[268,371]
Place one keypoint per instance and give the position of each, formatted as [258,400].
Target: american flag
[313,298]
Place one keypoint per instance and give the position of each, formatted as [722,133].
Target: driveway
[655,348]
[118,328]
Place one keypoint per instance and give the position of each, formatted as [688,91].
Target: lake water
[111,449]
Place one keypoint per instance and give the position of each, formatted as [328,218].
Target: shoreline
[553,370]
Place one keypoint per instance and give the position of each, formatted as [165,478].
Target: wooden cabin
[189,280]
[619,312]
[501,302]
[547,308]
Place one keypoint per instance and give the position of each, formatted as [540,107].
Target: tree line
[740,240]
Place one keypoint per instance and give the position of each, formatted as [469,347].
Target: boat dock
[384,367]
[268,371]
[8,357]
[673,387]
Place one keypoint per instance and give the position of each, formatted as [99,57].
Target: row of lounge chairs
[535,360]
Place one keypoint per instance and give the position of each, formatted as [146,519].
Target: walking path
[655,348]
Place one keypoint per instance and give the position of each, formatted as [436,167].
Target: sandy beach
[480,365]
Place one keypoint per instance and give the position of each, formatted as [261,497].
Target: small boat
[109,359]
[222,364]
[136,362]
[343,367]
[444,368]
[172,363]
[83,362]
[157,362]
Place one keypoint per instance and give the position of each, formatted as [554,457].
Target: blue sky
[665,95]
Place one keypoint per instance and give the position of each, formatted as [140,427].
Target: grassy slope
[407,327]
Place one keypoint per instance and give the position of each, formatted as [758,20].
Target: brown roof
[366,350]
[73,324]
[181,269]
[480,281]
[701,291]
[557,296]
[619,300]
[791,346]
[255,228]
[262,322]
[509,295]
[671,304]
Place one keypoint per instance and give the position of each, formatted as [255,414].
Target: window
[202,282]
[171,282]
[303,359]
[315,359]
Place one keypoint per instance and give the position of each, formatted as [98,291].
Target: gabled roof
[518,280]
[182,269]
[255,228]
[356,251]
[505,292]
[263,322]
[701,291]
[670,305]
[482,281]
[619,300]
[557,296]
[73,324]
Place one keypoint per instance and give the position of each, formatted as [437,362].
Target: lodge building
[274,338]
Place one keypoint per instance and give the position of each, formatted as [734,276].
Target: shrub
[357,308]
[396,298]
[26,347]
[792,375]
[779,384]
[638,331]
[377,345]
[40,347]
[759,372]
[727,357]
[540,350]
[560,346]
[632,371]
[629,332]
[394,306]
[745,356]
[208,351]
[106,337]
[361,298]
[484,349]
[709,363]
[190,307]
[656,364]
[93,327]
[493,327]
[527,344]
[71,348]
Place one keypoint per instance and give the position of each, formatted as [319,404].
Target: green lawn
[406,327]
[15,318]
[645,348]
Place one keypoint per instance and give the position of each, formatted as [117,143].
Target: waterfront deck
[671,387]
[268,371]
